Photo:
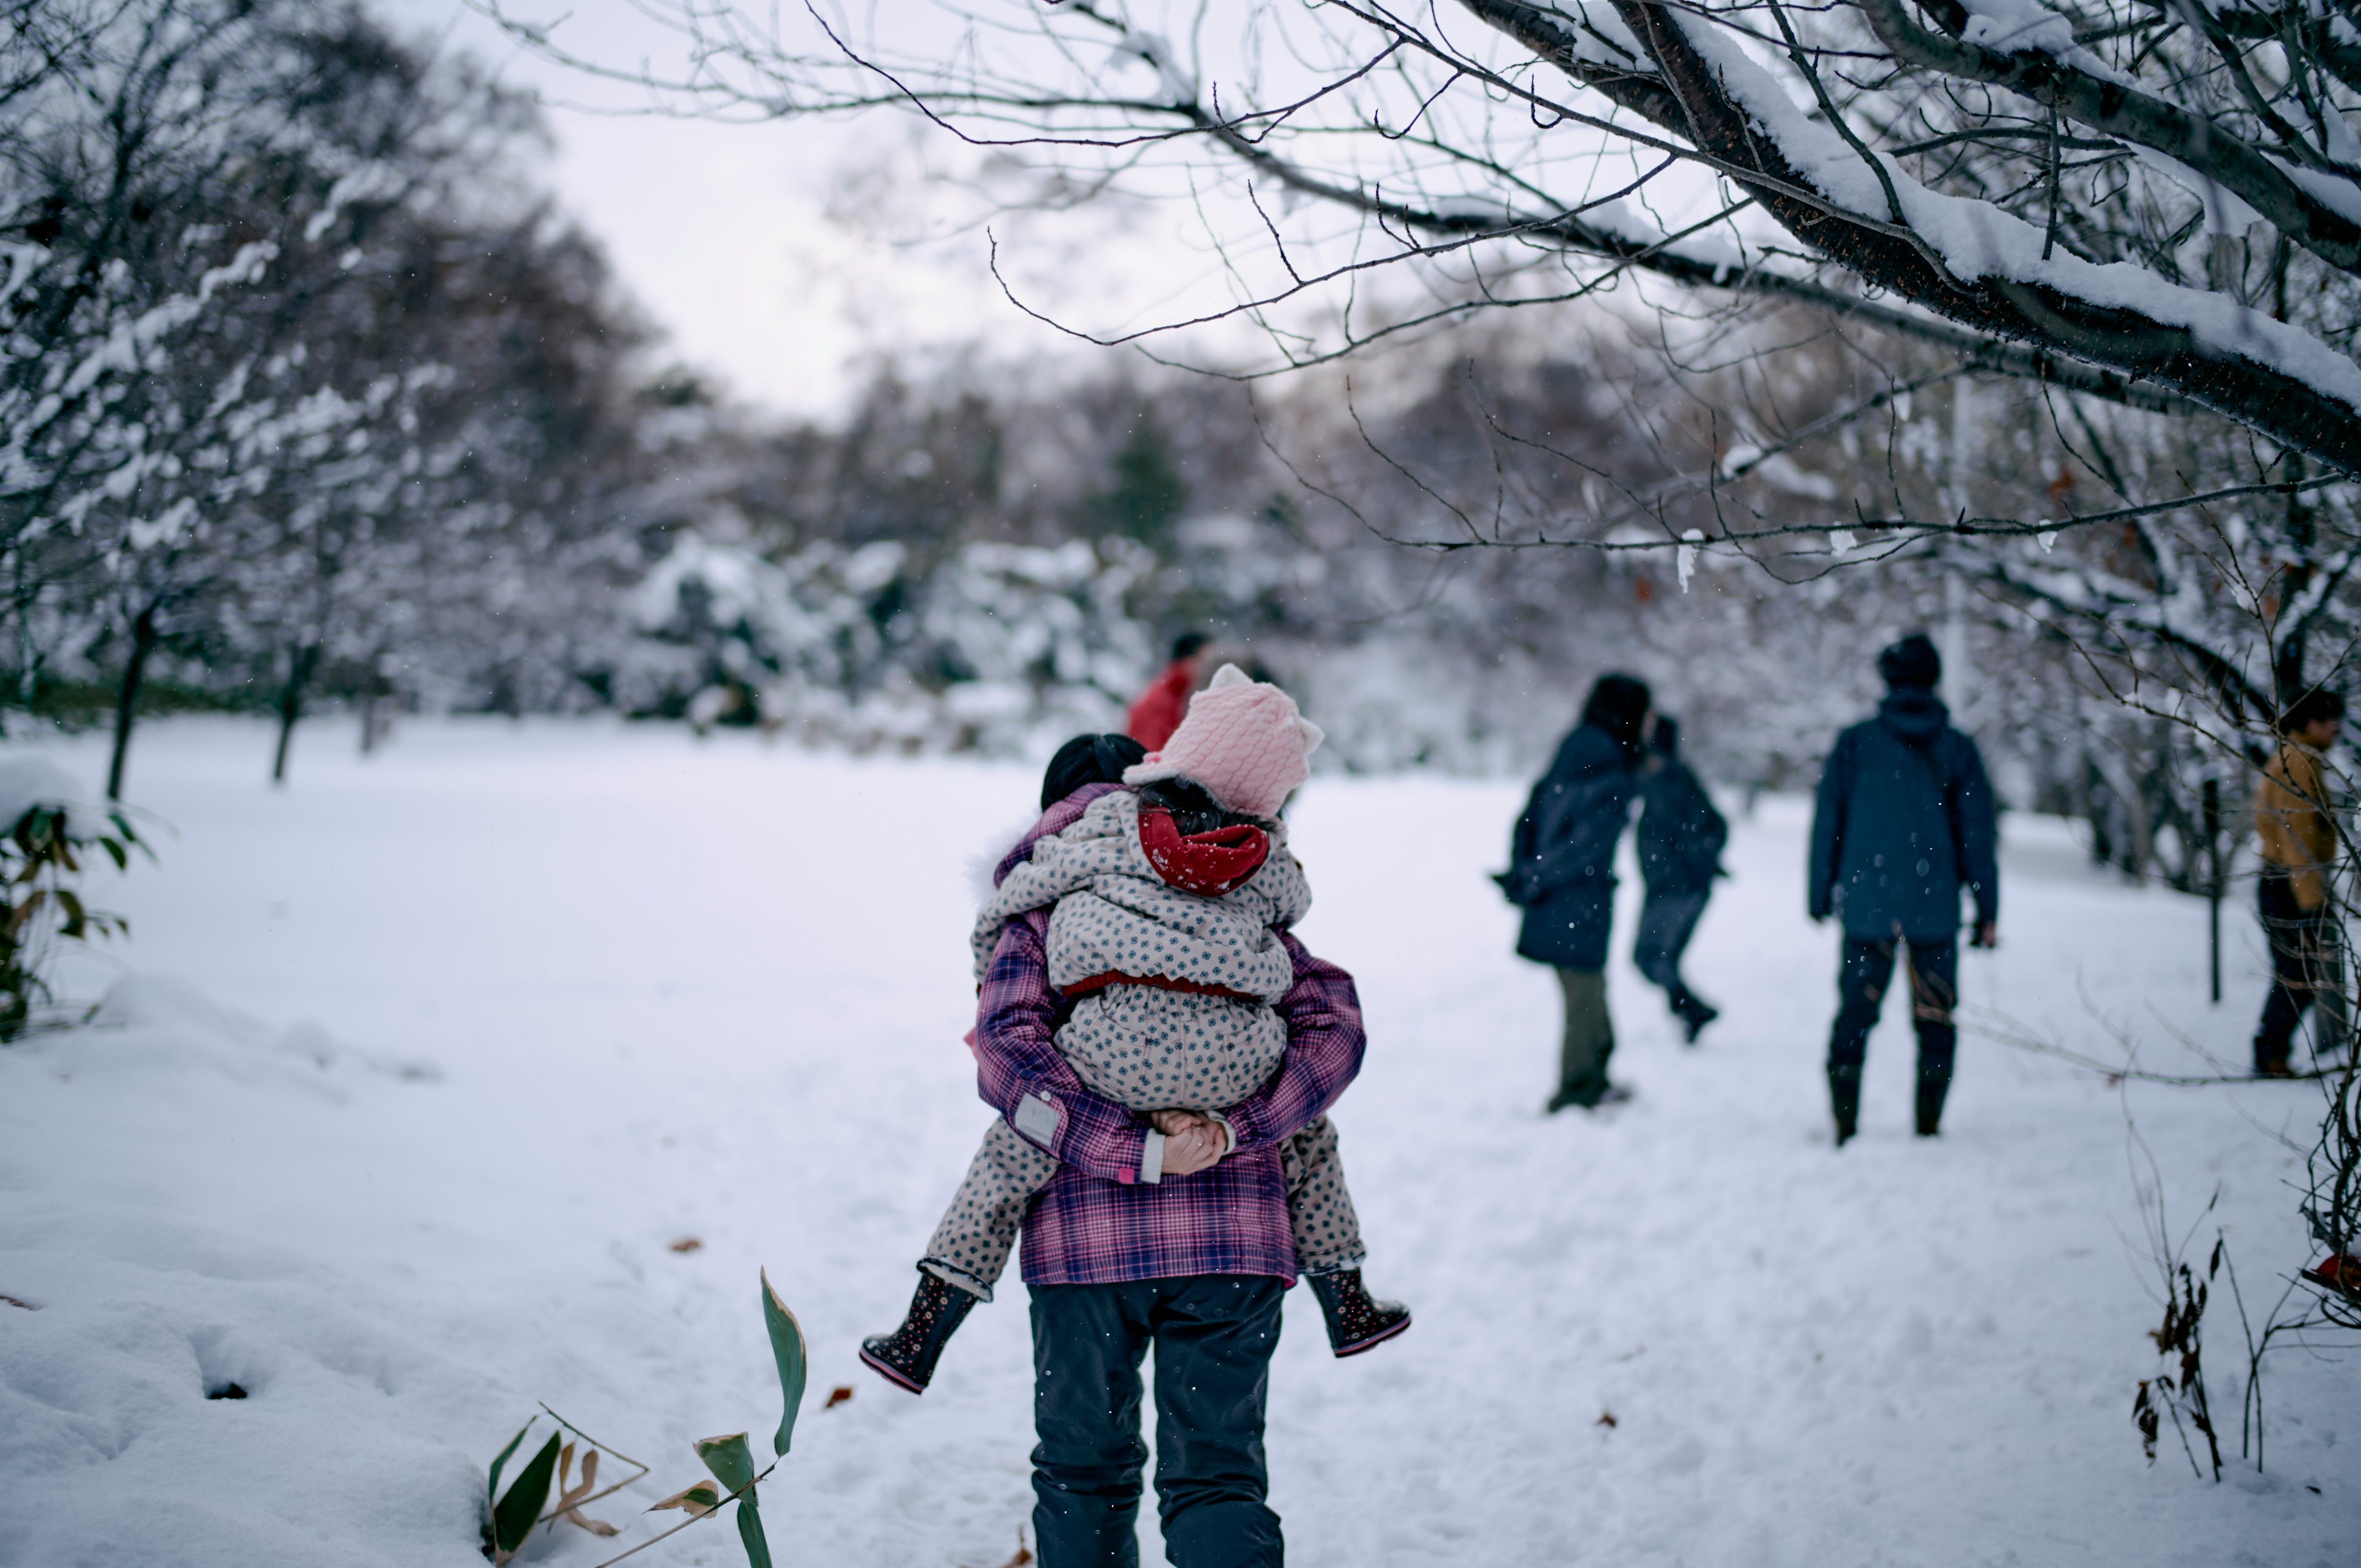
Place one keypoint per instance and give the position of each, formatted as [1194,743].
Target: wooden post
[2214,881]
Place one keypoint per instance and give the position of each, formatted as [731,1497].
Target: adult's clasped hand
[1193,1141]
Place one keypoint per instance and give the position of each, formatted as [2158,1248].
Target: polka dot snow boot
[906,1356]
[1357,1320]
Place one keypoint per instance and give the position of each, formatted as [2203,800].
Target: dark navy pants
[1212,1335]
[1934,975]
[2307,965]
[1667,921]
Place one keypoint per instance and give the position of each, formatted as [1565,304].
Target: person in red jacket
[1165,703]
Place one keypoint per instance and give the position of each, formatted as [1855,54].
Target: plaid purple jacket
[1096,1222]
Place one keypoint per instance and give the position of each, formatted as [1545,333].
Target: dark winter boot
[1932,1088]
[1357,1320]
[907,1355]
[1844,1102]
[1696,1013]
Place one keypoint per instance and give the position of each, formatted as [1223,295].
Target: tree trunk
[2140,830]
[2287,660]
[28,679]
[301,662]
[374,697]
[2094,812]
[127,701]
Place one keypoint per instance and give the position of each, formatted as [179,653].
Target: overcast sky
[788,257]
[721,232]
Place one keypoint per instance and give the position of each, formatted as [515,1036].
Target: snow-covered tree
[2141,202]
[2111,226]
[112,160]
[301,384]
[178,174]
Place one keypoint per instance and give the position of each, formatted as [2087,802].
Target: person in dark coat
[1562,873]
[1680,838]
[1904,823]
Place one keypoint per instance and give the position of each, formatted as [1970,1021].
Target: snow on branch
[2116,200]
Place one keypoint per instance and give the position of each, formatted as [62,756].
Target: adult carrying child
[1165,898]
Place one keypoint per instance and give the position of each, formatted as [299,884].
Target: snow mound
[145,1023]
[29,780]
[178,1390]
[170,1394]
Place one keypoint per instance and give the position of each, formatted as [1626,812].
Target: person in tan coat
[2299,849]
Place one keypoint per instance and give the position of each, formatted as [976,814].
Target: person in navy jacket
[1905,825]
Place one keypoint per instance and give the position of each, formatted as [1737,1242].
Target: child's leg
[1328,1244]
[970,1248]
[1327,1231]
[972,1244]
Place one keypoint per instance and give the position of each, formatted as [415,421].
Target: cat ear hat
[1243,739]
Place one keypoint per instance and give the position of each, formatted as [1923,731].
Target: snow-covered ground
[425,1060]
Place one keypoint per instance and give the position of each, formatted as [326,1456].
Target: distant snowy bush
[990,647]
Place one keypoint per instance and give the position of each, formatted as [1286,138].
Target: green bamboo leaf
[730,1459]
[512,1520]
[733,1462]
[751,1536]
[788,1350]
[492,1484]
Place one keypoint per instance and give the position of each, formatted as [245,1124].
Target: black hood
[1619,705]
[1088,760]
[1629,749]
[1914,714]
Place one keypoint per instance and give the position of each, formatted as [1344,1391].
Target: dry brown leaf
[688,1244]
[696,1500]
[12,1301]
[1024,1554]
[841,1394]
[569,1495]
[595,1526]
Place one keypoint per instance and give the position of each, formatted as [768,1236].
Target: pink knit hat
[1243,740]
